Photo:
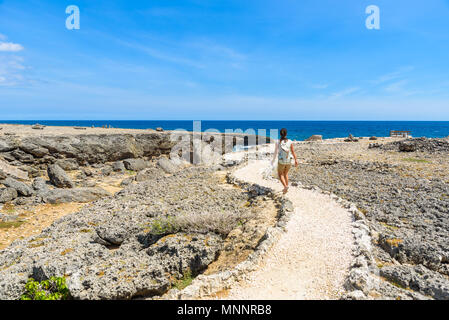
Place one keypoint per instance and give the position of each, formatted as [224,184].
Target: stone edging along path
[204,286]
[361,278]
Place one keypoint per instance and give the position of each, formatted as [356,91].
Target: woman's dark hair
[283,134]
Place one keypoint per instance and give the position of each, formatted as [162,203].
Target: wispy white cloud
[11,68]
[393,75]
[2,37]
[157,54]
[396,87]
[344,93]
[10,47]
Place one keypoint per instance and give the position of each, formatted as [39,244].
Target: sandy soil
[33,222]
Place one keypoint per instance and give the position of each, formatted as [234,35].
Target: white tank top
[285,154]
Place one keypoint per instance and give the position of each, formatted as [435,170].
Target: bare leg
[285,173]
[284,179]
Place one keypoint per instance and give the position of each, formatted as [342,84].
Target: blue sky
[252,59]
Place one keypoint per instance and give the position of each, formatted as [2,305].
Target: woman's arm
[294,154]
[276,149]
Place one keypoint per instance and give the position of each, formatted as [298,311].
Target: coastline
[108,182]
[298,130]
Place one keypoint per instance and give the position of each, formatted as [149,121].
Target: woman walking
[285,152]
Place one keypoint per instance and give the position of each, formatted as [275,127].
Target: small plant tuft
[185,281]
[53,289]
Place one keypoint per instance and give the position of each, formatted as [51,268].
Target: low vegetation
[10,224]
[53,289]
[221,223]
[184,282]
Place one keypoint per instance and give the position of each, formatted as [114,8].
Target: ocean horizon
[297,130]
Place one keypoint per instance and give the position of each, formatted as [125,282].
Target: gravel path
[311,260]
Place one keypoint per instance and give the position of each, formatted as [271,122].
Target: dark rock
[418,278]
[39,184]
[8,194]
[118,166]
[7,145]
[87,171]
[418,144]
[407,147]
[74,195]
[59,177]
[128,181]
[22,156]
[38,126]
[106,171]
[67,164]
[22,188]
[186,252]
[8,157]
[135,164]
[34,149]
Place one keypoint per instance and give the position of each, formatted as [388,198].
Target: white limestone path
[311,260]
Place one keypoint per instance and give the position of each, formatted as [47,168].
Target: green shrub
[184,282]
[163,226]
[53,289]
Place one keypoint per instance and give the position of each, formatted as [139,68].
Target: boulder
[118,166]
[407,146]
[68,164]
[315,138]
[135,164]
[75,195]
[7,145]
[22,156]
[38,126]
[159,129]
[11,171]
[373,138]
[87,172]
[21,188]
[167,165]
[34,149]
[7,195]
[59,177]
[128,181]
[106,171]
[39,184]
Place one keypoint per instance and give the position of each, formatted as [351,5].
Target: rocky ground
[108,211]
[402,188]
[115,217]
[137,243]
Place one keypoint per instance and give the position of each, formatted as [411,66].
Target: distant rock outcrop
[315,138]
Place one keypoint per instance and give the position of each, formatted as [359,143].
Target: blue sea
[297,130]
